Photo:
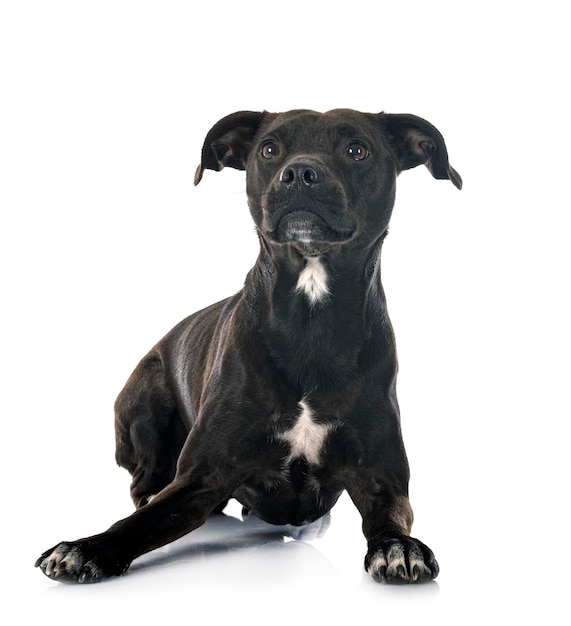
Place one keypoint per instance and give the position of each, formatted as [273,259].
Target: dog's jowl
[282,396]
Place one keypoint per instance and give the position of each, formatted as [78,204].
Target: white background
[106,244]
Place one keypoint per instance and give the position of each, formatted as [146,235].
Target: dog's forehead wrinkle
[310,128]
[287,124]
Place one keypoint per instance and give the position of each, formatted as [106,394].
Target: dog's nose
[301,173]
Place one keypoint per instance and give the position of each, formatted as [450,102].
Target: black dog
[283,395]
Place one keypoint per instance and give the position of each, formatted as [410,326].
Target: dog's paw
[401,560]
[78,562]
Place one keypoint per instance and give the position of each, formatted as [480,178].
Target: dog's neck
[314,281]
[319,311]
[319,280]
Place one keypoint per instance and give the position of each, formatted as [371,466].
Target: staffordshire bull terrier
[282,396]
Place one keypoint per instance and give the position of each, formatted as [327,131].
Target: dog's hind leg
[148,430]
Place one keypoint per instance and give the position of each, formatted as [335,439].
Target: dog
[283,395]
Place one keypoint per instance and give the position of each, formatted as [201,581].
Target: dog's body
[284,395]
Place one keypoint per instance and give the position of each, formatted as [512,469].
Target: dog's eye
[269,150]
[357,151]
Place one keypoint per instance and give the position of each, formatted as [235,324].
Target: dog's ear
[415,142]
[228,142]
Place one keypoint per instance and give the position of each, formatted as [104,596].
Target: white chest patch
[313,280]
[306,437]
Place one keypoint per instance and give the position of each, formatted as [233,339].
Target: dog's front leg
[181,507]
[392,555]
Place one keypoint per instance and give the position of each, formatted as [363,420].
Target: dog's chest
[306,437]
[296,486]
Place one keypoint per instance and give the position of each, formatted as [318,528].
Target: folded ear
[228,143]
[416,141]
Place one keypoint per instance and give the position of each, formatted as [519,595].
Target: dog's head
[319,180]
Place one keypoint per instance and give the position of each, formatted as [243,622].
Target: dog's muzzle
[307,208]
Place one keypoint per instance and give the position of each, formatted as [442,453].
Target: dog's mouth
[310,231]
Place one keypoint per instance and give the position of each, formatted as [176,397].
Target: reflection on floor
[227,534]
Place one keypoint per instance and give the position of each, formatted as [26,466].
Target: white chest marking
[306,437]
[313,280]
